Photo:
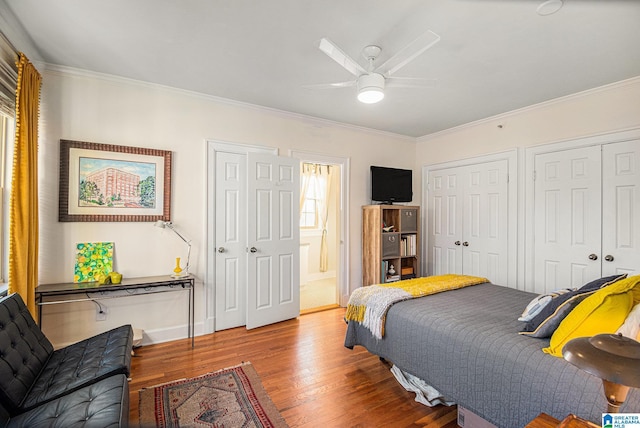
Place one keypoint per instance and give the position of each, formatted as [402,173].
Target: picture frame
[111,183]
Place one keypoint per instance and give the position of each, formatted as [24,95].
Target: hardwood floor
[311,377]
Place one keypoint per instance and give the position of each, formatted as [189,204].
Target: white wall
[605,109]
[105,109]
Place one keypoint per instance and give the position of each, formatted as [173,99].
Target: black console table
[133,286]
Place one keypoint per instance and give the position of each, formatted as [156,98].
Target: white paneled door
[468,220]
[256,239]
[621,208]
[486,226]
[567,218]
[231,240]
[445,221]
[273,292]
[586,214]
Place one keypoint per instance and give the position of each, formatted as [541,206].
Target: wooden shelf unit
[399,247]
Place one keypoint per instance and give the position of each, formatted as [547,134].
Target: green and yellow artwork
[93,260]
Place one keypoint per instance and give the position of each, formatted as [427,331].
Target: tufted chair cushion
[32,373]
[84,362]
[24,351]
[102,404]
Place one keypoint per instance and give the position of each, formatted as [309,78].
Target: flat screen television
[389,185]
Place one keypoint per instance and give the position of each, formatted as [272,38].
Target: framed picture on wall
[104,182]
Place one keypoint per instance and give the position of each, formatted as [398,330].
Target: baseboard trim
[162,335]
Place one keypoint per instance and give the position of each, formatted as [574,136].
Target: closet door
[485,221]
[256,248]
[231,240]
[567,219]
[468,221]
[621,208]
[273,286]
[445,221]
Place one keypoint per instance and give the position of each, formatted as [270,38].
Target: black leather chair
[101,405]
[33,373]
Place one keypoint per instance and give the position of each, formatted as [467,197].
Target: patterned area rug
[232,397]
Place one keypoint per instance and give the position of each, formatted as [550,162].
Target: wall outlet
[101,313]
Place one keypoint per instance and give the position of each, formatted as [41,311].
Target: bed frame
[465,343]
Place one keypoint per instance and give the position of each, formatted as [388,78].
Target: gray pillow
[550,317]
[539,302]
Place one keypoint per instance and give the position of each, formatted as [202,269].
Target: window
[6,137]
[8,79]
[313,197]
[314,184]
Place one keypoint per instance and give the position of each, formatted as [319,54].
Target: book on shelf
[408,245]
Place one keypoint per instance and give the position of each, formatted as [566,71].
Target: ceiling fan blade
[332,85]
[408,53]
[410,82]
[336,54]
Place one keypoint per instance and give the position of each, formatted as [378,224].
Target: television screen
[390,185]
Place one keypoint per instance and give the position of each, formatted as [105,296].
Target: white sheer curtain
[316,183]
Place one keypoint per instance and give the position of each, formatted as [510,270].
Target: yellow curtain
[23,221]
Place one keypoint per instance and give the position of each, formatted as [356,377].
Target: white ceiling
[494,56]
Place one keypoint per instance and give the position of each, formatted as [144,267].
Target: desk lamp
[613,358]
[168,225]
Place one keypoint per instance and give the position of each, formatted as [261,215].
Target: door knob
[221,249]
[465,244]
[608,258]
[457,242]
[253,249]
[593,257]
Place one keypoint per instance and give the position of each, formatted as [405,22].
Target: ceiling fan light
[370,88]
[370,96]
[549,7]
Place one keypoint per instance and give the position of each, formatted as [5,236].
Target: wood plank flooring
[311,377]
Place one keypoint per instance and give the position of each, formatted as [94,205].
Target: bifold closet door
[468,221]
[587,214]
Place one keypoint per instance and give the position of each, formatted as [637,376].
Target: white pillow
[539,302]
[631,326]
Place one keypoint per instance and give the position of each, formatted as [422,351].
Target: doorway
[319,233]
[323,231]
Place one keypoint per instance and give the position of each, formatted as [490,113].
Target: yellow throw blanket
[369,305]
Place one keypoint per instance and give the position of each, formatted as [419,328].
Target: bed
[465,343]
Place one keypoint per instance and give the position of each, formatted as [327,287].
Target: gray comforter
[465,343]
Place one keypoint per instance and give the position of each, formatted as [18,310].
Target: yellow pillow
[636,295]
[602,312]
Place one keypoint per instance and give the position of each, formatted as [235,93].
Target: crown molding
[315,121]
[544,104]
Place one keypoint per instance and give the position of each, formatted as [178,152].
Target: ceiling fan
[372,80]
